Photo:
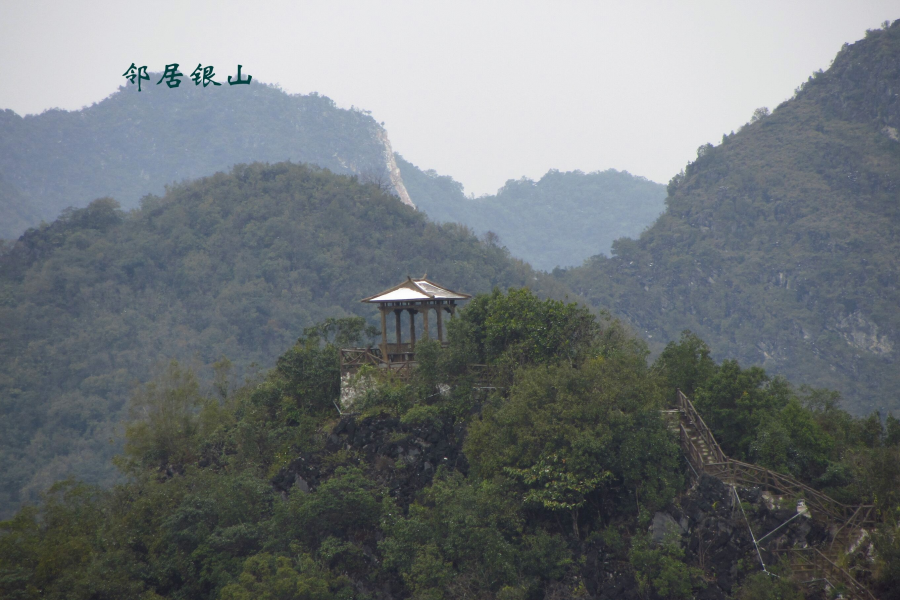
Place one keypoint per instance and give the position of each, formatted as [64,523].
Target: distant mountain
[134,143]
[231,265]
[558,221]
[780,246]
[16,213]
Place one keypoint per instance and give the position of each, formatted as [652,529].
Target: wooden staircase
[846,523]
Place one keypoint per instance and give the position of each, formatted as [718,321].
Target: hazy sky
[483,91]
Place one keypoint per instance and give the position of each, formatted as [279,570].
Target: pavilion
[413,296]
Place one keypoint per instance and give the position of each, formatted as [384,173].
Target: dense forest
[558,221]
[234,265]
[779,246]
[136,143]
[549,483]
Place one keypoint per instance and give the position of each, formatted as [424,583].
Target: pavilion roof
[416,290]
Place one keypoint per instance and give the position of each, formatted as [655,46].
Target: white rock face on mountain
[393,170]
[863,334]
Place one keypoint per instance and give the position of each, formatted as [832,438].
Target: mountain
[18,214]
[232,265]
[134,143]
[563,481]
[557,221]
[779,246]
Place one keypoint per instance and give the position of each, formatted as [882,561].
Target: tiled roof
[416,289]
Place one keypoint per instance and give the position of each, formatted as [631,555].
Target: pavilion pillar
[397,314]
[440,323]
[427,334]
[412,328]
[383,334]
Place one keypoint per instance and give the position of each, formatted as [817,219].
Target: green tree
[686,365]
[268,577]
[886,540]
[468,535]
[764,586]
[518,328]
[793,442]
[165,422]
[346,504]
[552,485]
[663,569]
[599,426]
[734,402]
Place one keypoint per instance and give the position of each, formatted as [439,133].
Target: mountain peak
[778,246]
[134,143]
[862,83]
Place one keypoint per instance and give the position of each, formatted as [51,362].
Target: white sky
[483,91]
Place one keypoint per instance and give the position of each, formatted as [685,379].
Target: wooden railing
[354,358]
[694,418]
[812,562]
[403,348]
[694,456]
[717,464]
[741,473]
[755,476]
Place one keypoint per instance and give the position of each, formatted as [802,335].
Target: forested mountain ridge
[17,213]
[133,143]
[557,221]
[779,246]
[232,265]
[562,479]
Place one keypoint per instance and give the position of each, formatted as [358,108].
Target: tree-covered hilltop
[232,265]
[557,221]
[135,143]
[779,246]
[557,481]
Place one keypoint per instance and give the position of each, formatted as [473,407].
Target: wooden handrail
[360,356]
[694,455]
[705,432]
[740,473]
[745,473]
[820,562]
[788,485]
[353,358]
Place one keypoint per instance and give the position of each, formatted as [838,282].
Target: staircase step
[803,566]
